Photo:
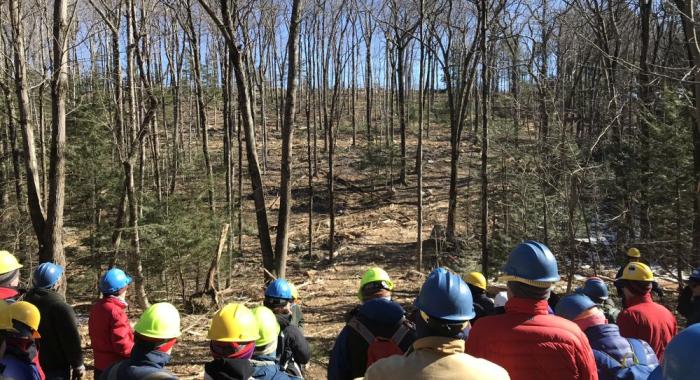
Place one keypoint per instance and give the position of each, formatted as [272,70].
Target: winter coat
[265,368]
[60,340]
[483,305]
[142,365]
[228,369]
[646,320]
[689,306]
[292,345]
[110,332]
[348,358]
[19,369]
[25,352]
[613,353]
[532,344]
[435,358]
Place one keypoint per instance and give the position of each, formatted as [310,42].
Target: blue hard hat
[595,288]
[279,289]
[444,295]
[573,305]
[681,357]
[113,281]
[46,275]
[696,274]
[531,261]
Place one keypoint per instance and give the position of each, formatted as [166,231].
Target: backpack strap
[400,332]
[361,329]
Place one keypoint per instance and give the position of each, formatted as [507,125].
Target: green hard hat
[268,327]
[375,274]
[160,321]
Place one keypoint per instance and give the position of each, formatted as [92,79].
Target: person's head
[596,289]
[445,304]
[636,280]
[375,283]
[681,357]
[9,270]
[268,329]
[114,283]
[476,282]
[633,255]
[530,271]
[47,275]
[694,280]
[158,328]
[25,319]
[233,332]
[278,296]
[581,310]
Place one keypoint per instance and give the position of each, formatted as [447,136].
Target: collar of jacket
[117,301]
[7,293]
[284,320]
[446,346]
[154,358]
[598,332]
[262,361]
[636,300]
[229,369]
[527,306]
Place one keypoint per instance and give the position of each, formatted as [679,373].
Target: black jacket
[60,339]
[689,306]
[292,345]
[228,369]
[483,305]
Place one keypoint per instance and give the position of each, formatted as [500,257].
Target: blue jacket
[615,355]
[144,364]
[18,369]
[349,355]
[266,368]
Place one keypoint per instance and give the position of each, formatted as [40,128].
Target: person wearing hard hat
[293,350]
[232,335]
[615,356]
[681,358]
[376,318]
[689,299]
[643,318]
[596,289]
[445,308]
[5,330]
[61,350]
[297,314]
[264,362]
[9,276]
[527,341]
[21,359]
[111,335]
[483,305]
[634,256]
[155,334]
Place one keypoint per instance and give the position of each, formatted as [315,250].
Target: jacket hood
[142,356]
[527,306]
[229,369]
[382,311]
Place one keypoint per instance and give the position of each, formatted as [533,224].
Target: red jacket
[110,332]
[646,320]
[532,344]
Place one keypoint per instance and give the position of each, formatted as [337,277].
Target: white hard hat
[501,299]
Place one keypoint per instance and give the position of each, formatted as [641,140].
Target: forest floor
[376,224]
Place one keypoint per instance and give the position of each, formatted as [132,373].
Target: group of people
[458,332]
[455,332]
[39,337]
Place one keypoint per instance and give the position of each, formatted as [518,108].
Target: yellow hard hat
[5,317]
[634,252]
[637,272]
[268,327]
[27,314]
[8,262]
[295,292]
[477,279]
[375,274]
[160,321]
[234,323]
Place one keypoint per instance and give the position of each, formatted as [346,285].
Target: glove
[78,372]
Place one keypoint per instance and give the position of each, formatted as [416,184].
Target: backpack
[638,369]
[380,347]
